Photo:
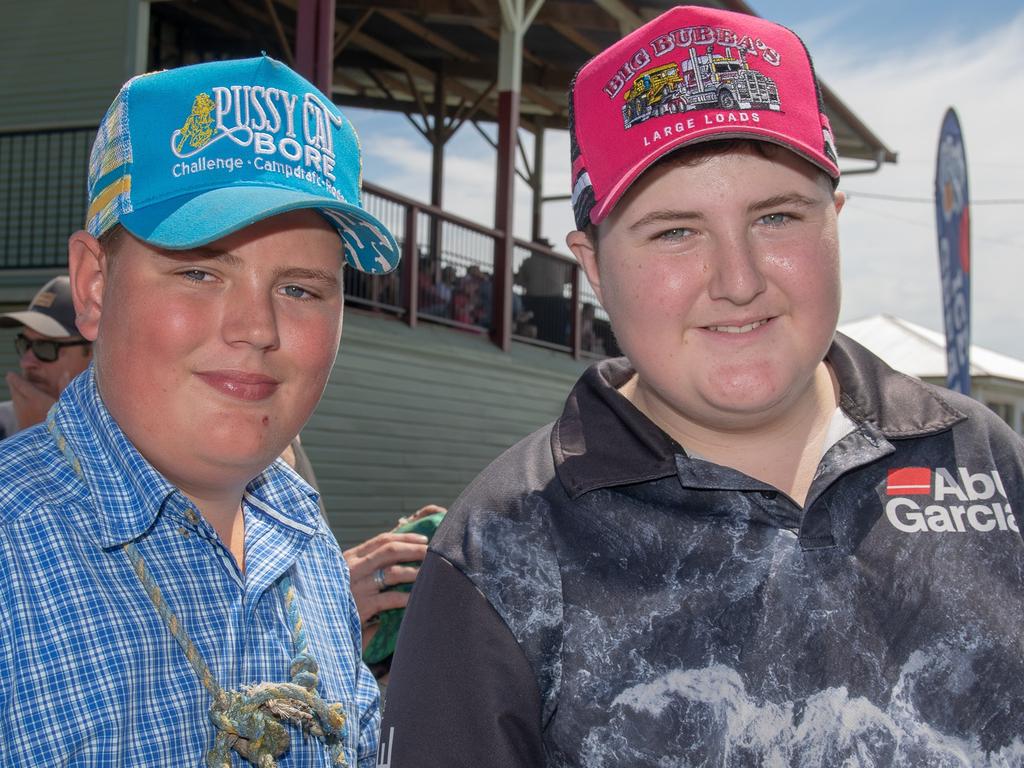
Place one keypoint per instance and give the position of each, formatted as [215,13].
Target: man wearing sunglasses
[50,354]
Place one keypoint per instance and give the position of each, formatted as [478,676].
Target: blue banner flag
[953,215]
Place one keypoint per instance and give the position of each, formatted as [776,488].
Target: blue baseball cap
[187,156]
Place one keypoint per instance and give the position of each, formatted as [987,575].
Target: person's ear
[839,200]
[585,251]
[88,265]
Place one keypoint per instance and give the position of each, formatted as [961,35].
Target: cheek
[808,272]
[650,310]
[313,339]
[142,340]
[649,296]
[168,332]
[824,273]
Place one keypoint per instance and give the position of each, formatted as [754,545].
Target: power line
[931,225]
[931,200]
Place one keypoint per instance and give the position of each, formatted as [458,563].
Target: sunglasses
[46,351]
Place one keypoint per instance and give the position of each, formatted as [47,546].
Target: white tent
[996,380]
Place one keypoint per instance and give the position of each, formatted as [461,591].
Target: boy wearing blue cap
[169,590]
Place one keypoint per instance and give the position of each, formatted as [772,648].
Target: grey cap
[51,311]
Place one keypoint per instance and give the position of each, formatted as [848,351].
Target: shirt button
[183,531]
[191,516]
[769,494]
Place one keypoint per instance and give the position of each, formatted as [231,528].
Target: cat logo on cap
[198,128]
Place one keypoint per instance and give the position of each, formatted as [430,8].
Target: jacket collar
[602,440]
[898,405]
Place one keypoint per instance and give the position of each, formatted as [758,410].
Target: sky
[898,66]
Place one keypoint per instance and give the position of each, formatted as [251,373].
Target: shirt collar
[602,440]
[128,493]
[898,405]
[282,495]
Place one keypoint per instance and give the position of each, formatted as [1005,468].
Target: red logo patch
[909,481]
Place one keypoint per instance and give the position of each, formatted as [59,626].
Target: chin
[243,441]
[745,386]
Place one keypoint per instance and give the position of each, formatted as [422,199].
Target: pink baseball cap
[692,74]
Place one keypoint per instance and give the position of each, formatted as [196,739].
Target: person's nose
[737,271]
[250,317]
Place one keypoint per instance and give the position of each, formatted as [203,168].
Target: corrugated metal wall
[90,49]
[410,416]
[8,358]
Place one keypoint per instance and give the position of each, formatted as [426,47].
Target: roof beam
[343,35]
[573,35]
[628,18]
[490,31]
[343,80]
[282,38]
[541,99]
[423,33]
[414,68]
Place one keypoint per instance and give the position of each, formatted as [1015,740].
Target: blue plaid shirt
[89,674]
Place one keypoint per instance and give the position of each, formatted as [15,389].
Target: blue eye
[297,292]
[195,275]
[776,219]
[675,233]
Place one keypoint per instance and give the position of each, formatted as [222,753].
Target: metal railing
[446,275]
[42,194]
[448,268]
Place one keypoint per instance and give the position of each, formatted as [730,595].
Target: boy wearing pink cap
[748,542]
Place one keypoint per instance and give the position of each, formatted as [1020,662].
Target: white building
[996,380]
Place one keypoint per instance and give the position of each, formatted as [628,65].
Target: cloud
[890,248]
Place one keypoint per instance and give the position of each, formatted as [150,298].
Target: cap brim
[604,205]
[38,322]
[195,220]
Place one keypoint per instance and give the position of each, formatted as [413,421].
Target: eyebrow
[789,199]
[201,252]
[301,273]
[665,215]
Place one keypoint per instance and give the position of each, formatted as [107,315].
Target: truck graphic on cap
[708,81]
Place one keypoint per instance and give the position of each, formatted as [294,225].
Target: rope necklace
[250,721]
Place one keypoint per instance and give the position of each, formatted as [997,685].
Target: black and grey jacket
[598,598]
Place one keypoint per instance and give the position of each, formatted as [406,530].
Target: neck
[223,511]
[782,451]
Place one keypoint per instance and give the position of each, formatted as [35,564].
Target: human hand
[424,511]
[375,564]
[31,404]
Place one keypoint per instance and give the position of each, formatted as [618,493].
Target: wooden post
[314,42]
[508,121]
[537,181]
[409,272]
[515,20]
[438,138]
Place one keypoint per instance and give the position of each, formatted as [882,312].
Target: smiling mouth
[241,385]
[737,328]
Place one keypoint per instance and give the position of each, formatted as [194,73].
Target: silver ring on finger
[378,579]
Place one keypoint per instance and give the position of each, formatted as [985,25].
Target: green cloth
[383,644]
